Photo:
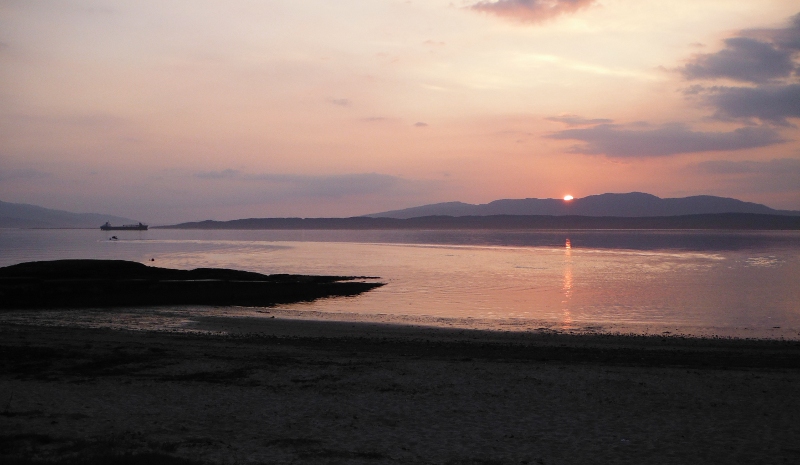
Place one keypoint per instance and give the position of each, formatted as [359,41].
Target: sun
[568,198]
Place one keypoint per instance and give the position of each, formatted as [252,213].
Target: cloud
[774,166]
[768,103]
[378,119]
[342,102]
[617,141]
[743,59]
[777,175]
[767,61]
[271,186]
[787,38]
[531,11]
[575,120]
[91,121]
[224,174]
[22,174]
[420,124]
[753,55]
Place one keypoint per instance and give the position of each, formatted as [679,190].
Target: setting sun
[568,197]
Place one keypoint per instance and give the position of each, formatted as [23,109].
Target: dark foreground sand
[322,392]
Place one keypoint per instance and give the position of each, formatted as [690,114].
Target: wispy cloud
[378,119]
[671,139]
[223,174]
[575,120]
[776,175]
[585,66]
[24,174]
[531,11]
[285,185]
[92,120]
[777,165]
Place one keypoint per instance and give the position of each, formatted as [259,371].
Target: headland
[120,283]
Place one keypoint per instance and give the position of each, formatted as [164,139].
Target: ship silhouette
[124,227]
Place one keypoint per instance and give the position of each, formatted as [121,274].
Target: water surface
[710,283]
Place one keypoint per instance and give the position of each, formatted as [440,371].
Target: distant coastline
[718,221]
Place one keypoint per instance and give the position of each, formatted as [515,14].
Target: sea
[742,284]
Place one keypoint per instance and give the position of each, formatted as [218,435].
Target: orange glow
[270,109]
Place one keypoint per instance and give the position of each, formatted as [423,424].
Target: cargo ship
[124,227]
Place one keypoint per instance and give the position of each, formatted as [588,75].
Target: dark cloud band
[575,120]
[617,141]
[765,59]
[309,186]
[743,59]
[779,175]
[775,166]
[754,55]
[768,103]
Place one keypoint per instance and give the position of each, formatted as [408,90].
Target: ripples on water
[725,283]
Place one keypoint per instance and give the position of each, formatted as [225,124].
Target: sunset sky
[168,111]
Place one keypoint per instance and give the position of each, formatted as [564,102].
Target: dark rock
[119,283]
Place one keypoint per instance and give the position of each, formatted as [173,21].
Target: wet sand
[327,392]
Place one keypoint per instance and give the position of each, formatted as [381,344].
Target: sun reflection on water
[566,321]
[491,278]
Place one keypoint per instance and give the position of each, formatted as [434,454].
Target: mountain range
[633,204]
[21,215]
[630,205]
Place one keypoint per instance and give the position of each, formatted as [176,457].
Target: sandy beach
[327,392]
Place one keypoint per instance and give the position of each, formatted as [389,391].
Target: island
[716,221]
[120,283]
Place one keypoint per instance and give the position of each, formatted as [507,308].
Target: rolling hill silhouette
[633,204]
[21,215]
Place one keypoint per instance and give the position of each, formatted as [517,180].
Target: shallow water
[709,283]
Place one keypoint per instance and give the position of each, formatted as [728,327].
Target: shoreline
[602,348]
[323,392]
[252,320]
[244,320]
[704,221]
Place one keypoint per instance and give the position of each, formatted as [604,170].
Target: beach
[300,391]
[486,232]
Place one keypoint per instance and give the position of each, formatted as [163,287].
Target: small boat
[124,227]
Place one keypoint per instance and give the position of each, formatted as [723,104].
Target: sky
[168,110]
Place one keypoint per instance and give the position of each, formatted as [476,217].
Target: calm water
[710,283]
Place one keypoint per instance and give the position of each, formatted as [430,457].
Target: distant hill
[736,221]
[20,215]
[633,204]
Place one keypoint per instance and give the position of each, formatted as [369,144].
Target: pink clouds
[531,11]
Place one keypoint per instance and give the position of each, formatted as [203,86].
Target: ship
[124,227]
